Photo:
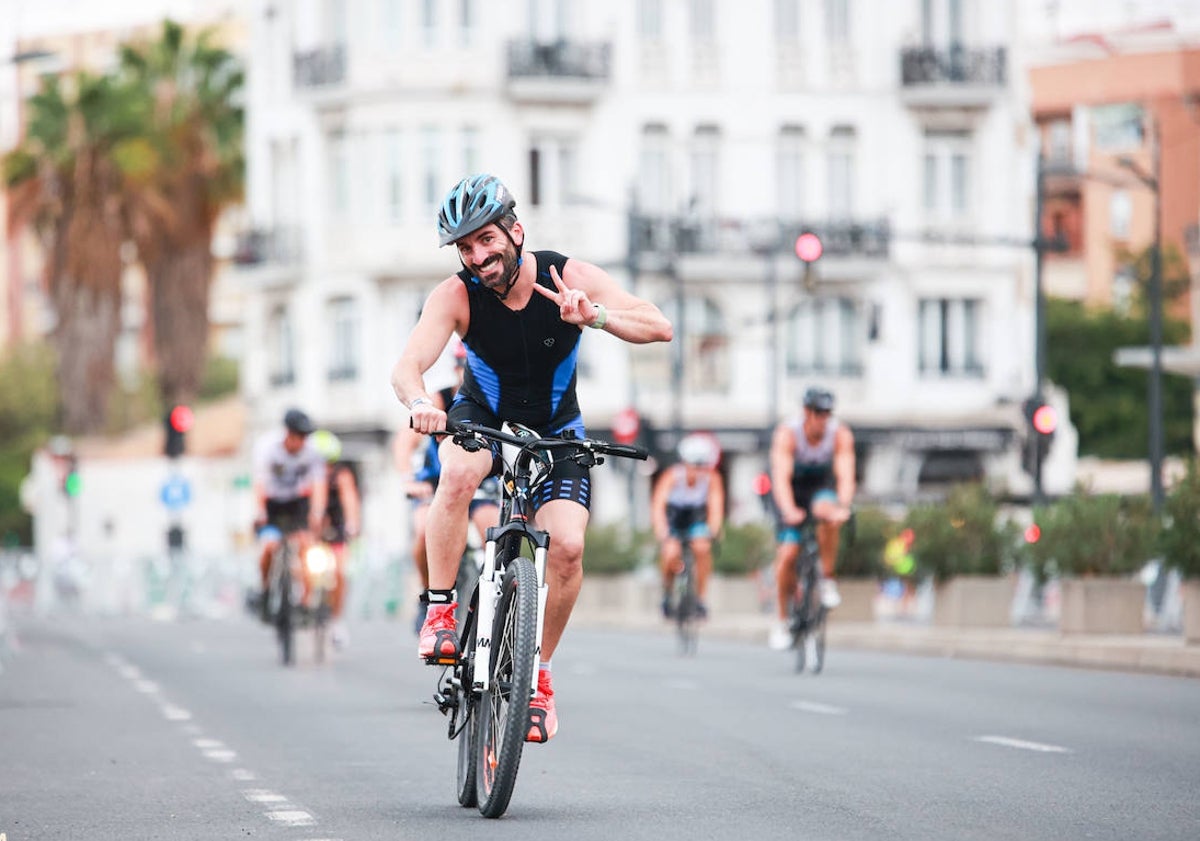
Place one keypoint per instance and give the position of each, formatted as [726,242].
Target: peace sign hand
[574,306]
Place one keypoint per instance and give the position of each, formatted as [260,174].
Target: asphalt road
[137,729]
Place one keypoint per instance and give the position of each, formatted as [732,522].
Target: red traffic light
[762,484]
[809,247]
[1045,419]
[1033,533]
[181,418]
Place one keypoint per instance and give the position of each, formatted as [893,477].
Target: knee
[567,553]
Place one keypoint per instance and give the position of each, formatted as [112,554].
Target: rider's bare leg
[566,521]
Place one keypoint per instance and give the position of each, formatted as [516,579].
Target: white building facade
[682,145]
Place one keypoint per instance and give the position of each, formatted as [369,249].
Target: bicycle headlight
[318,559]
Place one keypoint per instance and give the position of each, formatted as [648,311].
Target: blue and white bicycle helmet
[471,204]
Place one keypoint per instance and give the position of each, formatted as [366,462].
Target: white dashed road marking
[1021,744]
[819,709]
[292,817]
[279,810]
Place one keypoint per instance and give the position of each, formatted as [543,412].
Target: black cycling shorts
[567,480]
[288,515]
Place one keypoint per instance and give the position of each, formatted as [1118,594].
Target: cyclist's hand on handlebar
[793,517]
[418,490]
[427,418]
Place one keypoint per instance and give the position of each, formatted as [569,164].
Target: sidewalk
[1155,653]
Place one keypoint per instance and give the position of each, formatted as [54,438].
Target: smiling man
[521,317]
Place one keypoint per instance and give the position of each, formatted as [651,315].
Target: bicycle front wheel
[504,708]
[466,713]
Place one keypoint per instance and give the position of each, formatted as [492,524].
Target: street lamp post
[1153,181]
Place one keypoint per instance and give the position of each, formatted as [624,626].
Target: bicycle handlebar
[465,431]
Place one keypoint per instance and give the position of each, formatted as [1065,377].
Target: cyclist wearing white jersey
[688,503]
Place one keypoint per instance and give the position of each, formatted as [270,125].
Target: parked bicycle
[486,691]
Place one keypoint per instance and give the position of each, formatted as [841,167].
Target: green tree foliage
[1088,534]
[64,179]
[1180,541]
[1108,402]
[186,169]
[962,535]
[28,409]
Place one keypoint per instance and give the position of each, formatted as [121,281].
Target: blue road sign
[176,493]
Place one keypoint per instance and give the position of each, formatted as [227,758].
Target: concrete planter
[1102,606]
[729,594]
[974,601]
[858,600]
[1191,610]
[618,596]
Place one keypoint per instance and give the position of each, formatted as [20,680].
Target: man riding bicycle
[289,489]
[688,504]
[521,317]
[812,475]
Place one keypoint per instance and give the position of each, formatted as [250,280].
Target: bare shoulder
[844,437]
[784,438]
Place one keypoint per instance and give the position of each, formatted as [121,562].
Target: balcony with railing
[953,76]
[558,71]
[280,246]
[319,68]
[863,239]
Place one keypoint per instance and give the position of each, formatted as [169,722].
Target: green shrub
[1180,539]
[1094,534]
[743,549]
[615,548]
[860,551]
[961,536]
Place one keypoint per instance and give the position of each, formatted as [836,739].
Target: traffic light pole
[1039,318]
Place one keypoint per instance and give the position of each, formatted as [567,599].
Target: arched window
[826,336]
[281,364]
[344,328]
[705,343]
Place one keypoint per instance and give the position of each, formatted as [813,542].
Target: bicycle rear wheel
[504,708]
[686,610]
[284,617]
[818,637]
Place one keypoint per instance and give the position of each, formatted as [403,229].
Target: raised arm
[587,295]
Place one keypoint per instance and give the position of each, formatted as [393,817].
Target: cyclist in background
[343,523]
[289,489]
[688,504]
[812,475]
[521,315]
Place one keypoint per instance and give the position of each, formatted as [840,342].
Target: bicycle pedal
[440,660]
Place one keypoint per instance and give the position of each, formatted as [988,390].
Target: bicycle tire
[504,708]
[686,610]
[818,663]
[466,714]
[284,625]
[321,627]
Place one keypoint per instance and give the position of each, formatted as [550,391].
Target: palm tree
[193,170]
[64,178]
